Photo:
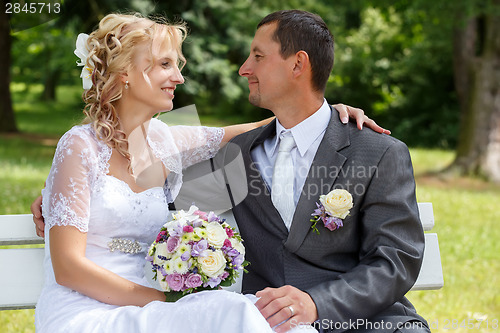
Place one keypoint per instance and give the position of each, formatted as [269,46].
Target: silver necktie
[283,179]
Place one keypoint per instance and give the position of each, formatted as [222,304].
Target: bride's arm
[234,130]
[73,270]
[345,112]
[66,205]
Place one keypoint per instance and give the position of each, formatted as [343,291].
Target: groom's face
[267,72]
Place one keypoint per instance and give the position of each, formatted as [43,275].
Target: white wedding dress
[79,193]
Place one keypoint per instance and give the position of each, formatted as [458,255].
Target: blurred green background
[421,68]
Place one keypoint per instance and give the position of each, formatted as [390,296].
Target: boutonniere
[332,209]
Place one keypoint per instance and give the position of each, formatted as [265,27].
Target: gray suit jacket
[360,271]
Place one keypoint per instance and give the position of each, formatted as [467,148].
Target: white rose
[238,246]
[216,234]
[337,203]
[213,264]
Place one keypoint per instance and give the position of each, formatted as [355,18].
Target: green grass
[465,210]
[466,214]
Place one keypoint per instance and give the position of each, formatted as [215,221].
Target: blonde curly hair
[112,48]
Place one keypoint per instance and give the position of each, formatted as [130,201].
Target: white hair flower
[82,52]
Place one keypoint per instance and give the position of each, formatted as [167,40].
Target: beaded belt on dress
[118,244]
[124,245]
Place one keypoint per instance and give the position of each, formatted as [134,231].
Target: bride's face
[152,82]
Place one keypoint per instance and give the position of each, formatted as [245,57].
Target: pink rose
[229,232]
[202,215]
[175,281]
[193,281]
[173,244]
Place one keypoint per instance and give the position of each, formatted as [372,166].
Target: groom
[353,278]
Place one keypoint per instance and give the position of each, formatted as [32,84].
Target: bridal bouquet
[196,251]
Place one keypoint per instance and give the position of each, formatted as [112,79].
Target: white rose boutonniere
[332,209]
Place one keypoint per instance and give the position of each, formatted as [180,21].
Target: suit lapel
[327,158]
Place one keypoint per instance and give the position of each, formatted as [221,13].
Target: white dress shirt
[307,135]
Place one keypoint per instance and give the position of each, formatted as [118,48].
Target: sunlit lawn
[466,214]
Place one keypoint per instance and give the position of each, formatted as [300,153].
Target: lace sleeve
[196,143]
[66,197]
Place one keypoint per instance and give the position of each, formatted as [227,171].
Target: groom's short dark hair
[298,30]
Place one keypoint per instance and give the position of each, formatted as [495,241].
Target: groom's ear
[301,64]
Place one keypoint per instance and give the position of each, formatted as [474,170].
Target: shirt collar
[306,132]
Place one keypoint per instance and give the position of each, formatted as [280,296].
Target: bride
[112,178]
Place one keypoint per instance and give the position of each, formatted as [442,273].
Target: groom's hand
[36,210]
[287,305]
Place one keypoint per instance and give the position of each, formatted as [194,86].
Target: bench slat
[18,229]
[22,277]
[431,272]
[426,214]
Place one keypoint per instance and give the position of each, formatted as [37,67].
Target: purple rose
[199,248]
[332,223]
[238,260]
[186,256]
[175,281]
[213,282]
[230,252]
[197,223]
[212,217]
[173,244]
[193,281]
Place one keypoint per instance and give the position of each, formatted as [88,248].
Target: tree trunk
[477,80]
[50,85]
[7,120]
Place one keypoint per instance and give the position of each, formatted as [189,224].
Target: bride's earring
[126,84]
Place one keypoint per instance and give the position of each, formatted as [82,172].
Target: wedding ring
[291,310]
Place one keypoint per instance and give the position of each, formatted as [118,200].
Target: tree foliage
[393,58]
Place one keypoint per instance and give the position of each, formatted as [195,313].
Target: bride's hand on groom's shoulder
[346,112]
[286,305]
[36,210]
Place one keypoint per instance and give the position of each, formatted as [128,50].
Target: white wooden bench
[21,276]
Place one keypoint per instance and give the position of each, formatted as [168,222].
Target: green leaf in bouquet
[173,296]
[227,282]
